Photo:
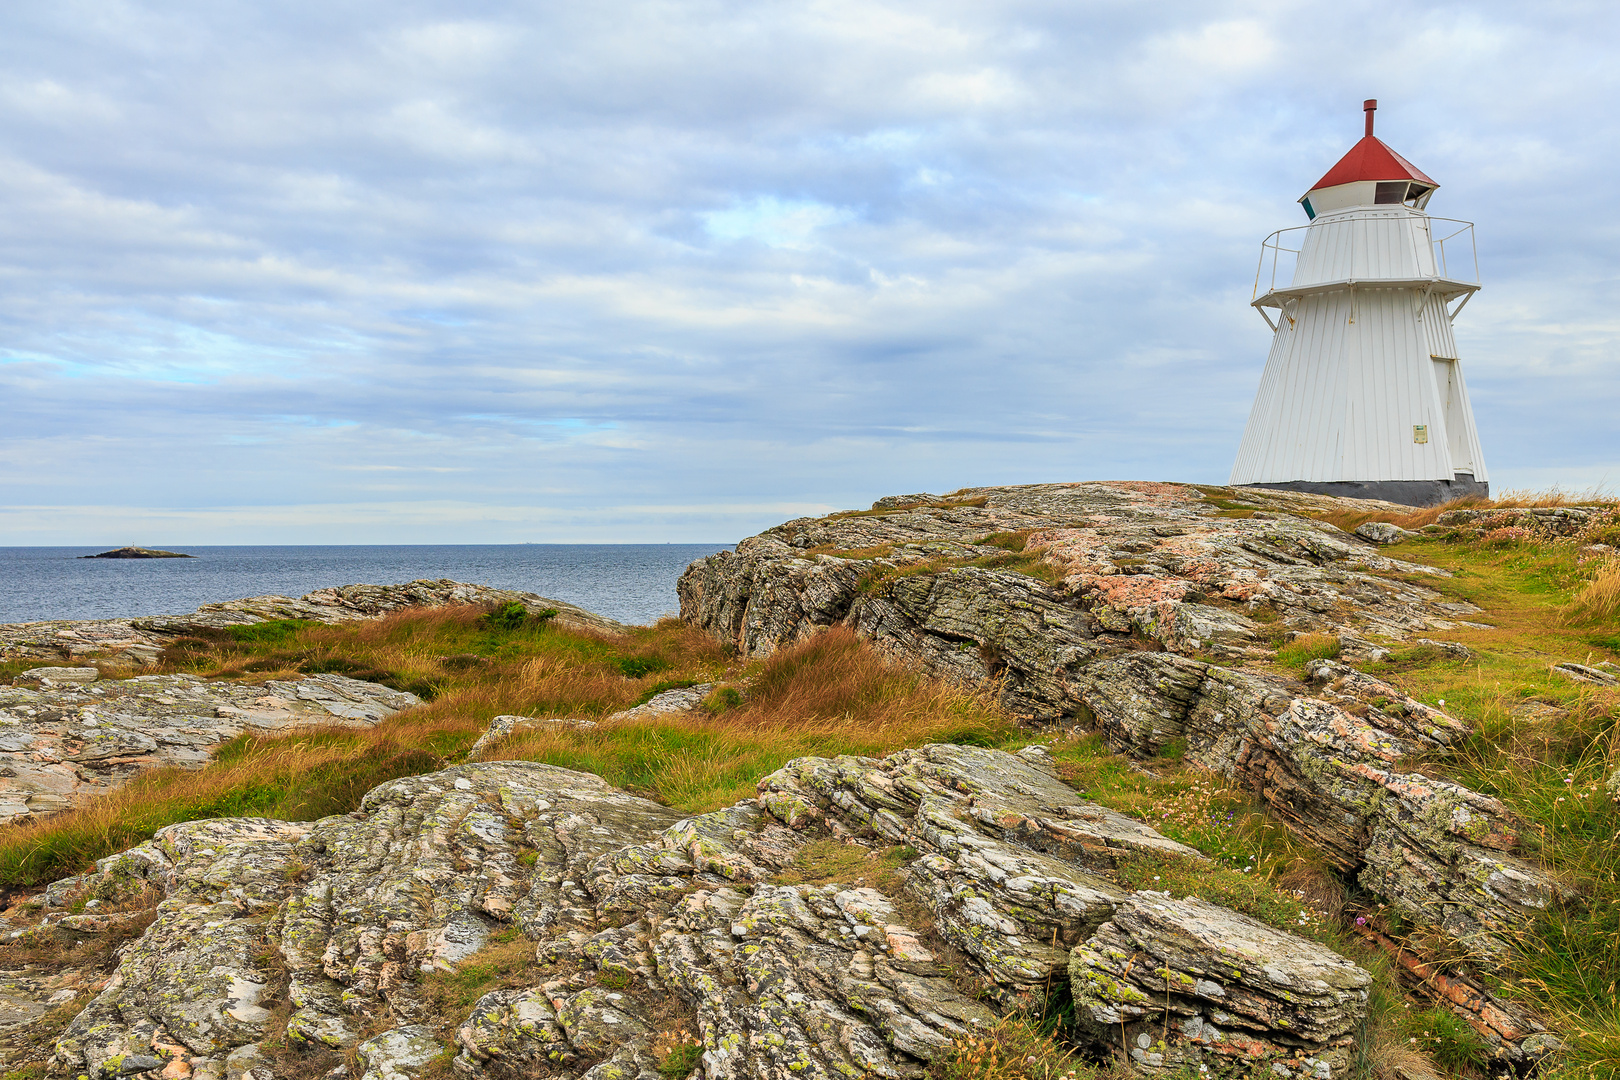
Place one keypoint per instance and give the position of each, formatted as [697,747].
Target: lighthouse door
[1451,398]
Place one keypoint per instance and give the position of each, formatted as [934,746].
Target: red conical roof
[1370,159]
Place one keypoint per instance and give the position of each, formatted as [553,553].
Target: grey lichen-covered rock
[57,676]
[1162,592]
[1586,674]
[140,641]
[194,985]
[1382,532]
[1327,764]
[1000,875]
[71,739]
[1178,982]
[399,1054]
[1161,561]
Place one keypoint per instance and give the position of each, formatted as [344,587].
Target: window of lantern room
[1390,191]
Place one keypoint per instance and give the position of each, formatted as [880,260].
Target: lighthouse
[1363,392]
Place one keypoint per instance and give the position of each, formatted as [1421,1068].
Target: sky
[490,272]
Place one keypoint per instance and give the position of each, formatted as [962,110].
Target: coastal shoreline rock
[140,640]
[67,736]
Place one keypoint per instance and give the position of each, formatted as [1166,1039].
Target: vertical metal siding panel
[1480,472]
[1263,414]
[1305,429]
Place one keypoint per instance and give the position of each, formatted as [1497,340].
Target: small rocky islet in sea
[976,880]
[138,553]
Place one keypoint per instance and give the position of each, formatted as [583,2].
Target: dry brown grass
[1509,500]
[832,694]
[1600,599]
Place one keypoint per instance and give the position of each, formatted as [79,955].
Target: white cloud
[571,264]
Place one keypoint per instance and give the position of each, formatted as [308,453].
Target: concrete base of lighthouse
[1404,492]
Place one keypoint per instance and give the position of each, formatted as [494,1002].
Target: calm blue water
[634,583]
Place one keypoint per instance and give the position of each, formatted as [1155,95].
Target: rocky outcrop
[983,881]
[1218,574]
[67,736]
[1141,609]
[139,641]
[138,553]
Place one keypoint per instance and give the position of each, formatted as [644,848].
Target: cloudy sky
[419,271]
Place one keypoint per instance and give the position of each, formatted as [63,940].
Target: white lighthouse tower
[1363,393]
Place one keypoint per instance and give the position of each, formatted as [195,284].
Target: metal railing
[1277,258]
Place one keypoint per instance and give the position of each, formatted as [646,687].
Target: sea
[633,583]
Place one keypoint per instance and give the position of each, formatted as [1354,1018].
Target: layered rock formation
[995,887]
[1140,609]
[139,641]
[67,735]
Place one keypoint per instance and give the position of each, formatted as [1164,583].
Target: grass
[507,961]
[1599,600]
[823,862]
[1305,648]
[831,695]
[1015,1048]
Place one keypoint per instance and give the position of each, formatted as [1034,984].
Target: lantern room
[1371,174]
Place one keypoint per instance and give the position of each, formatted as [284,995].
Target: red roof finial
[1369,107]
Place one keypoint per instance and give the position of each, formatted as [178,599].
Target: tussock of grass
[1014,1048]
[821,862]
[1305,648]
[1599,601]
[1011,541]
[507,961]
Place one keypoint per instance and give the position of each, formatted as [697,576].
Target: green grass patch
[274,633]
[1294,655]
[681,1060]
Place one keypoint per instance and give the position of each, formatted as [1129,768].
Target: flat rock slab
[139,641]
[1005,883]
[67,738]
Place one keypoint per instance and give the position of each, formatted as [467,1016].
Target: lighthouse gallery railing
[1457,262]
